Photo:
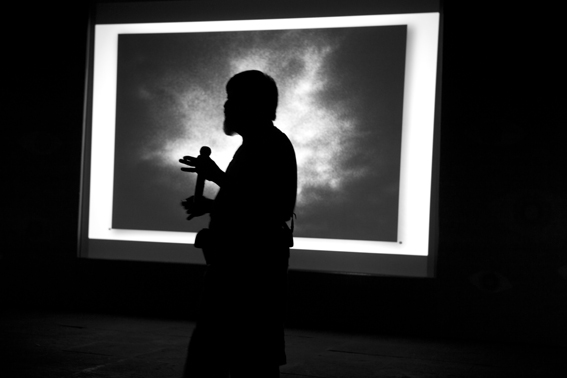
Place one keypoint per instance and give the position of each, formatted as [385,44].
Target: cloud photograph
[340,103]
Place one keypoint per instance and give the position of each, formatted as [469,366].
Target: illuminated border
[417,131]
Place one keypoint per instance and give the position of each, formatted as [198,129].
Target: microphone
[205,152]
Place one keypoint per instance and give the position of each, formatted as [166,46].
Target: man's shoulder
[281,137]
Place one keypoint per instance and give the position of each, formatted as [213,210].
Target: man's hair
[257,87]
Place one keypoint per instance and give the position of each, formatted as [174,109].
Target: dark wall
[502,272]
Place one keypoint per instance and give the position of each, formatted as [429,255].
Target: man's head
[252,98]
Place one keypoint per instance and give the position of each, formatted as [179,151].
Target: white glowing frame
[417,136]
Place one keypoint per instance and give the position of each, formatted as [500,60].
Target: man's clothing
[244,299]
[259,190]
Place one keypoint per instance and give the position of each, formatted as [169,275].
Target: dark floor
[57,345]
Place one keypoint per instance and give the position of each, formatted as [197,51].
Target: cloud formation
[188,107]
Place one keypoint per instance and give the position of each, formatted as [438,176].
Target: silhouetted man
[240,328]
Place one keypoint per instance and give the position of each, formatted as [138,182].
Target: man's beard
[227,128]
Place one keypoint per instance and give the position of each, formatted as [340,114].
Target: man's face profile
[248,101]
[236,113]
[230,118]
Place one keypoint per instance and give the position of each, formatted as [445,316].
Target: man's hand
[196,208]
[203,166]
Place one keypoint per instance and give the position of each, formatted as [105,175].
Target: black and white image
[341,104]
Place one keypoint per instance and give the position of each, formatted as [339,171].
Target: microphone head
[205,151]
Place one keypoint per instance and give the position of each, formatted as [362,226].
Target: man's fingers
[189,169]
[189,160]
